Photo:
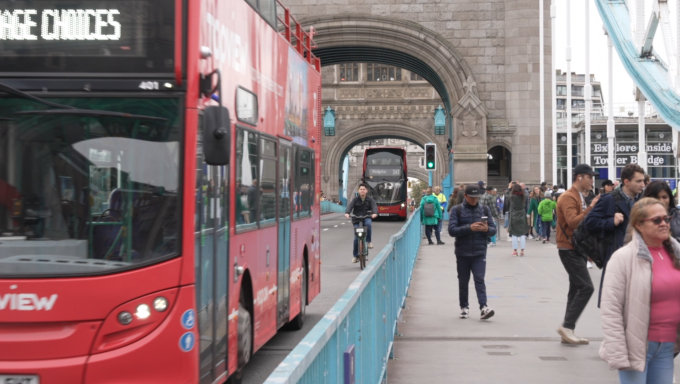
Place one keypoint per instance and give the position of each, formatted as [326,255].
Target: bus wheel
[245,341]
[299,320]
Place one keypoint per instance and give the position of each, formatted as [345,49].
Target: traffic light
[431,156]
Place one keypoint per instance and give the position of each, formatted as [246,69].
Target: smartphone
[484,219]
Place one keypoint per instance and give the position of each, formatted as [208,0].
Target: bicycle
[360,233]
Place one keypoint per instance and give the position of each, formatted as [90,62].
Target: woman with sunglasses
[640,305]
[661,191]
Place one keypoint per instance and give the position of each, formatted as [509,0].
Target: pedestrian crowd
[629,229]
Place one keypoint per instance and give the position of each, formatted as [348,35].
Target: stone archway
[365,38]
[331,160]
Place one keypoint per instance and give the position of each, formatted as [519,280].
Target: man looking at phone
[469,223]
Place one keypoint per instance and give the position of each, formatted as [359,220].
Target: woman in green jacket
[431,222]
[545,209]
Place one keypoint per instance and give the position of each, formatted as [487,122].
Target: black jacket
[468,242]
[361,208]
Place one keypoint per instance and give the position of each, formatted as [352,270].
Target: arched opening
[397,42]
[499,168]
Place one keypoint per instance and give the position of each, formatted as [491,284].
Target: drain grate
[501,353]
[495,346]
[552,358]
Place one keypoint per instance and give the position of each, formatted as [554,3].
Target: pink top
[665,308]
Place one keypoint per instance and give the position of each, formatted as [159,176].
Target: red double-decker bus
[385,172]
[159,187]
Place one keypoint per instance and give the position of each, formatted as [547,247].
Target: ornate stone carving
[350,93]
[469,84]
[384,93]
[420,93]
[469,124]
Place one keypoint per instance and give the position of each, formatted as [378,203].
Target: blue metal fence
[365,316]
[331,207]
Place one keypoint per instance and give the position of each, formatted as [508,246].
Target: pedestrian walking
[489,201]
[571,209]
[460,198]
[661,191]
[517,215]
[442,202]
[545,210]
[640,296]
[533,212]
[454,197]
[506,207]
[471,232]
[430,214]
[611,214]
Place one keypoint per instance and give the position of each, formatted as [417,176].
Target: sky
[623,85]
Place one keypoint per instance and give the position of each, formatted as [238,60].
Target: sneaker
[492,244]
[514,253]
[487,313]
[509,239]
[544,241]
[464,313]
[440,243]
[568,337]
[355,260]
[530,237]
[521,253]
[430,242]
[370,245]
[590,265]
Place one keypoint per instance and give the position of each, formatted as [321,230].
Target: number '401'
[148,85]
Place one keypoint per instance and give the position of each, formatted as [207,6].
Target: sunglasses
[657,220]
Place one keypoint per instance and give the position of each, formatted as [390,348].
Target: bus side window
[267,182]
[247,189]
[304,181]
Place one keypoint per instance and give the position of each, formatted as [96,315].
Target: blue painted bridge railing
[365,316]
[331,207]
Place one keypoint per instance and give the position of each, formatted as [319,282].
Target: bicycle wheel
[362,259]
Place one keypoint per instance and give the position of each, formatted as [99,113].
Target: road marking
[342,223]
[335,226]
[326,229]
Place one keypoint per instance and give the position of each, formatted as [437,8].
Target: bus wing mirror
[216,135]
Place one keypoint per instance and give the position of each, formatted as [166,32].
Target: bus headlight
[403,205]
[160,304]
[143,311]
[125,317]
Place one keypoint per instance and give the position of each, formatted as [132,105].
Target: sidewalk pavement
[519,344]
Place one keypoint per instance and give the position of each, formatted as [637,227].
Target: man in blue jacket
[611,213]
[471,232]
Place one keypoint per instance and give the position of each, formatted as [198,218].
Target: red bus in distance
[385,172]
[159,188]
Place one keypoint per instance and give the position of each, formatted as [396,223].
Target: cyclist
[362,205]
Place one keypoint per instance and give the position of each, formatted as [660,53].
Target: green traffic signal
[430,165]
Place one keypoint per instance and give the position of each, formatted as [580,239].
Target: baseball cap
[473,191]
[480,183]
[607,182]
[585,169]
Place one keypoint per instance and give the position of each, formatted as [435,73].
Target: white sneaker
[509,238]
[590,265]
[486,313]
[355,260]
[530,237]
[370,245]
[464,313]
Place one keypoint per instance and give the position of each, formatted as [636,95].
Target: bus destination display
[390,172]
[59,35]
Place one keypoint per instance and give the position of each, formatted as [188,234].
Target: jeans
[538,225]
[428,232]
[546,229]
[522,241]
[659,367]
[367,224]
[476,265]
[580,286]
[498,230]
[506,222]
[439,226]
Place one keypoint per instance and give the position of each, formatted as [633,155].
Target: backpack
[590,244]
[428,209]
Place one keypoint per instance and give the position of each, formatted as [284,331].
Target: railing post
[287,23]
